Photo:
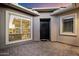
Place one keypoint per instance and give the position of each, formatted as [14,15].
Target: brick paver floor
[39,49]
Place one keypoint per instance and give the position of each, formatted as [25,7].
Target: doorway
[45,29]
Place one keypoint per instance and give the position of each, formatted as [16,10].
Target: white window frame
[8,13]
[74,33]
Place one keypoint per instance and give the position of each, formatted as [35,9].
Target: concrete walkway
[39,49]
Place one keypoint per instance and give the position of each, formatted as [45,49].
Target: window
[68,24]
[18,29]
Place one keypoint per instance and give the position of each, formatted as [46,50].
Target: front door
[45,29]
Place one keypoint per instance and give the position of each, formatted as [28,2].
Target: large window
[19,27]
[68,24]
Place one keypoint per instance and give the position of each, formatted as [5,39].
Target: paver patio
[39,49]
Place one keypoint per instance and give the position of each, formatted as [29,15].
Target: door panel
[45,29]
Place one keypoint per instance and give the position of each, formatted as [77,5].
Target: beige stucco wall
[74,40]
[2,27]
[36,29]
[54,28]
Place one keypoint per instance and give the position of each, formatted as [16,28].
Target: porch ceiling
[45,9]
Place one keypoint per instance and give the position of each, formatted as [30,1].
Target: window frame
[74,33]
[8,13]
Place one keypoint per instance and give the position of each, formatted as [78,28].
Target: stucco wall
[54,28]
[3,25]
[74,40]
[36,28]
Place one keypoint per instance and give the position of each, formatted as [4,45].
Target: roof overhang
[62,10]
[19,7]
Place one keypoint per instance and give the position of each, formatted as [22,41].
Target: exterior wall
[68,39]
[37,25]
[36,28]
[54,28]
[3,25]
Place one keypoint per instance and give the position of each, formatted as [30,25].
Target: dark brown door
[45,29]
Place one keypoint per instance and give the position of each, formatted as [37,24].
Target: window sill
[68,34]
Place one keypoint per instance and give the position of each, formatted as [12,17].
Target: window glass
[26,29]
[68,25]
[19,29]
